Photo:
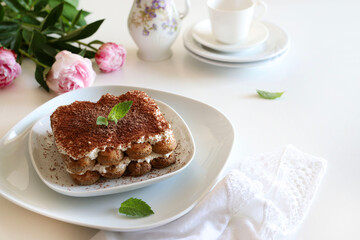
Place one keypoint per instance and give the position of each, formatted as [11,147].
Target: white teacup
[231,19]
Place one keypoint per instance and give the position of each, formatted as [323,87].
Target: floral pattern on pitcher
[146,15]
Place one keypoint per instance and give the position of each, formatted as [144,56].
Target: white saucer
[235,64]
[202,33]
[276,44]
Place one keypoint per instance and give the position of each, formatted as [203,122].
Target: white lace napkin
[268,196]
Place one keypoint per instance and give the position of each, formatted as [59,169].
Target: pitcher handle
[183,14]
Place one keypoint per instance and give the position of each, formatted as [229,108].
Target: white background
[319,112]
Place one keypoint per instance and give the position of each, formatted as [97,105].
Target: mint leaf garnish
[135,207]
[269,95]
[117,112]
[102,121]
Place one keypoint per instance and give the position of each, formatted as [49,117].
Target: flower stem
[85,44]
[32,58]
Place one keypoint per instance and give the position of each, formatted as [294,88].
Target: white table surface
[318,113]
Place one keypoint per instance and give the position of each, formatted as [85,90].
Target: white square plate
[170,199]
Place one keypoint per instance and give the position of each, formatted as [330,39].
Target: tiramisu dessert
[131,145]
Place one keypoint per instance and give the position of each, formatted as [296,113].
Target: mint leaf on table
[117,112]
[269,95]
[135,207]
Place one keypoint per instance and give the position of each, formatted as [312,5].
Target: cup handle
[183,14]
[262,5]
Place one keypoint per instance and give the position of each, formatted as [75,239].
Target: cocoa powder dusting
[75,130]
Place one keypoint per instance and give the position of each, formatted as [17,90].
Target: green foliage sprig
[117,112]
[39,29]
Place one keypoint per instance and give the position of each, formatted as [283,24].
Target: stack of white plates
[265,42]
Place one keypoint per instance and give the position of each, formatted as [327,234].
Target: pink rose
[110,57]
[9,68]
[70,72]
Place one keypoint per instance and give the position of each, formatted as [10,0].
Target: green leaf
[6,36]
[31,20]
[75,20]
[89,54]
[15,43]
[42,14]
[22,3]
[62,24]
[40,5]
[14,5]
[53,17]
[269,95]
[135,207]
[102,121]
[86,13]
[53,29]
[44,53]
[8,27]
[9,34]
[81,33]
[119,111]
[49,50]
[70,11]
[6,42]
[26,35]
[37,39]
[96,42]
[53,3]
[65,46]
[43,57]
[32,44]
[40,77]
[83,52]
[74,3]
[82,21]
[113,119]
[2,12]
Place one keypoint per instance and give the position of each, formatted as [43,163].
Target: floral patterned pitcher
[154,26]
